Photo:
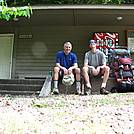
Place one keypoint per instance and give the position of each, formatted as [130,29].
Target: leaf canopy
[7,12]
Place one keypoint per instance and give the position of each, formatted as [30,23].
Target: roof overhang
[77,15]
[108,7]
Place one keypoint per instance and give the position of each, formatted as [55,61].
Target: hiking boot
[104,91]
[55,91]
[89,91]
[78,91]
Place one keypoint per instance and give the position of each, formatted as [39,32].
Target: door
[6,42]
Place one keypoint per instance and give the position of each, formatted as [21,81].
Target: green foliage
[6,12]
[39,2]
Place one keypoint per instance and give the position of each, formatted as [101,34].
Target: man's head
[67,47]
[91,41]
[92,44]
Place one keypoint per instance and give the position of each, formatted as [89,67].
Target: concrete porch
[33,86]
[96,83]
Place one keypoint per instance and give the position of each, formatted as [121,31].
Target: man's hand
[96,71]
[91,67]
[65,71]
[69,71]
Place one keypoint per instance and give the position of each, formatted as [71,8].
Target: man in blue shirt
[66,63]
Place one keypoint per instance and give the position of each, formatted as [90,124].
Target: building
[29,46]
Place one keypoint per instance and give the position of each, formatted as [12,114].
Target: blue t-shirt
[66,60]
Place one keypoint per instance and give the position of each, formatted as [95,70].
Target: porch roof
[89,6]
[77,15]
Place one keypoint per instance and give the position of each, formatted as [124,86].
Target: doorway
[6,48]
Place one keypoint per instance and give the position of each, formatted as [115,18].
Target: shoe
[78,91]
[89,91]
[55,91]
[104,91]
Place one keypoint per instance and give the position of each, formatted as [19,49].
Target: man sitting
[95,66]
[66,63]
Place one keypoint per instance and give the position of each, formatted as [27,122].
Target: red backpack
[126,68]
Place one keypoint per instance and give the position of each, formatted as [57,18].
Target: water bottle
[51,73]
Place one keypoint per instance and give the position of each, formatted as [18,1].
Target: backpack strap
[121,71]
[132,68]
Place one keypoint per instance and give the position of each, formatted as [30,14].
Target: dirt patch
[67,114]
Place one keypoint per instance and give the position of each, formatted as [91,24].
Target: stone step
[18,92]
[22,81]
[18,87]
[21,86]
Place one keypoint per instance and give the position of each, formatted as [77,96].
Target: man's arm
[86,60]
[90,67]
[61,68]
[75,65]
[103,60]
[103,64]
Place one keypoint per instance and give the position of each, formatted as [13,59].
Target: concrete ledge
[32,76]
[95,82]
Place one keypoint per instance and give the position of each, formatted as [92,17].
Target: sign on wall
[106,41]
[130,40]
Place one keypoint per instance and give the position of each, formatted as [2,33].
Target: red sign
[106,41]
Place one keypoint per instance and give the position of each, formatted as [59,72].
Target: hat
[68,80]
[91,41]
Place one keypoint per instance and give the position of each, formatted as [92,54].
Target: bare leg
[85,74]
[105,71]
[78,79]
[85,71]
[55,80]
[77,72]
[56,73]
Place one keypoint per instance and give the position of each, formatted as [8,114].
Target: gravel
[67,114]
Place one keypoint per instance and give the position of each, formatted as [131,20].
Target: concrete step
[22,81]
[18,87]
[21,86]
[18,92]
